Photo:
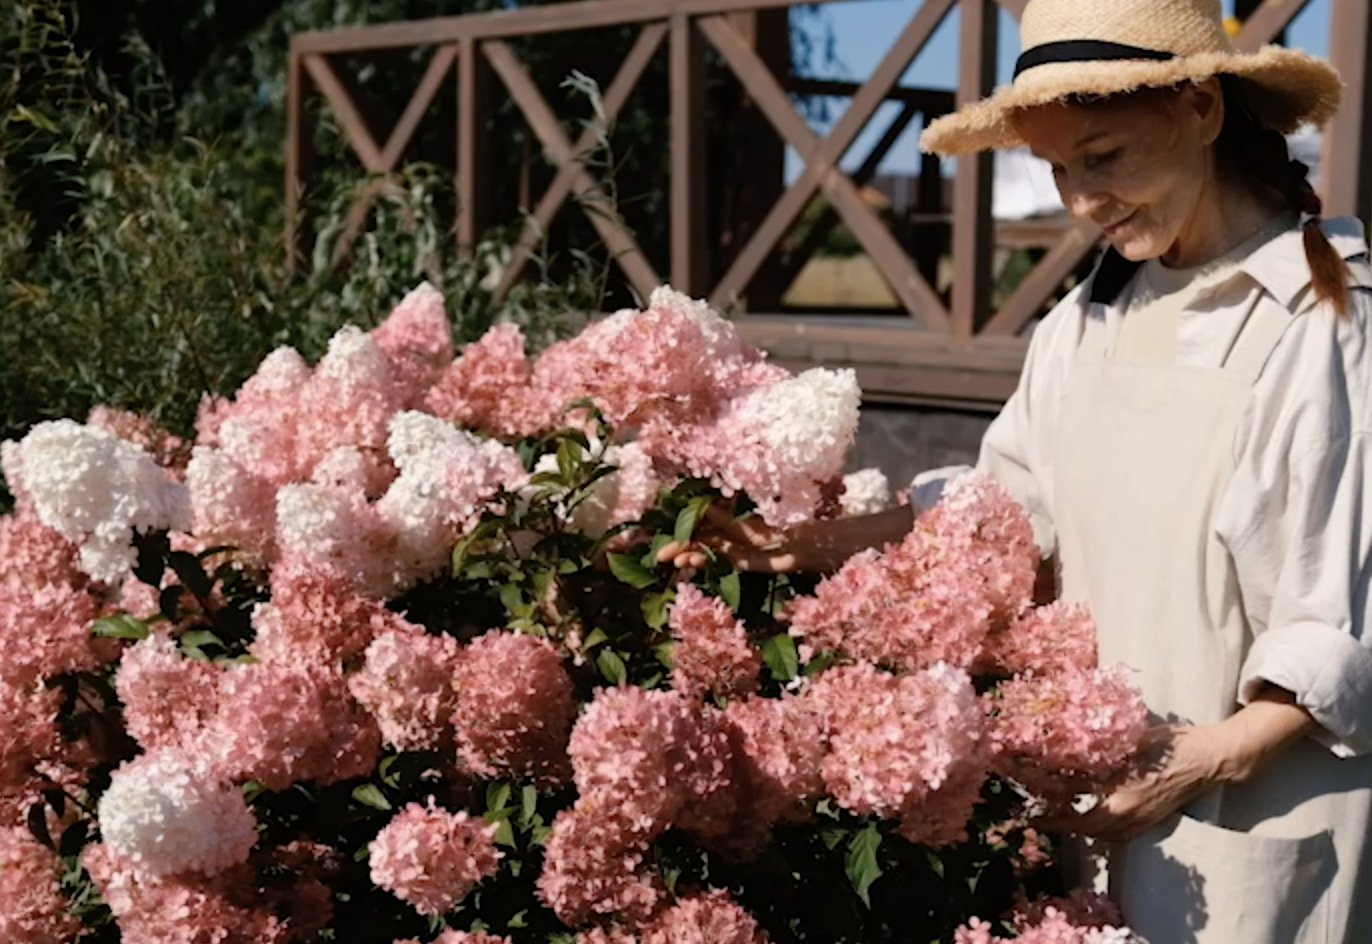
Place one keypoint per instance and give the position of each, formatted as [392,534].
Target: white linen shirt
[1297,515]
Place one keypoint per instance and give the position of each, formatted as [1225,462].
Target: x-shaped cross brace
[377,160]
[572,174]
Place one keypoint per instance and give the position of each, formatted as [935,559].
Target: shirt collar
[1279,265]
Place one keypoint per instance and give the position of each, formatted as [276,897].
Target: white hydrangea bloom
[779,442]
[168,814]
[96,490]
[447,475]
[336,530]
[865,492]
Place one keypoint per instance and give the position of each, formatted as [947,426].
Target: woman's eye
[1104,159]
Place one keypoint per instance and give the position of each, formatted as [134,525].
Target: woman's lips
[1118,225]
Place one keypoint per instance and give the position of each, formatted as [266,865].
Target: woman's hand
[819,546]
[1177,763]
[749,543]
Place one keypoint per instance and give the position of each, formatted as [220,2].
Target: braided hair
[1259,156]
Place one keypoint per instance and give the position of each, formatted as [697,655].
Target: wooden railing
[953,347]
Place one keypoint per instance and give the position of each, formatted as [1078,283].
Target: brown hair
[1258,156]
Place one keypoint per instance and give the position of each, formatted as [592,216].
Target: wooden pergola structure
[948,348]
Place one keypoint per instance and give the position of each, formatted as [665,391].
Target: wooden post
[473,152]
[299,161]
[1243,9]
[689,260]
[972,224]
[1346,176]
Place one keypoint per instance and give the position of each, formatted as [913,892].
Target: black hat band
[1086,50]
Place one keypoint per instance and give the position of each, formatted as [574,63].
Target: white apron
[1144,454]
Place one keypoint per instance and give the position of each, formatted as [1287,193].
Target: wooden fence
[951,347]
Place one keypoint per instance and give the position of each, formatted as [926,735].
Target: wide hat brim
[1286,88]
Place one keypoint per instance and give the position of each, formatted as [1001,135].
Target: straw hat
[1105,47]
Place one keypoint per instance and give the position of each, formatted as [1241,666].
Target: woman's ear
[1204,103]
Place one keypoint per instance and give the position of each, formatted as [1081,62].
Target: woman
[1191,437]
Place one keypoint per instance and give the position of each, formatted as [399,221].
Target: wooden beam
[622,86]
[525,21]
[1014,313]
[299,160]
[689,237]
[439,66]
[1268,22]
[473,154]
[350,119]
[978,32]
[1346,173]
[924,100]
[908,285]
[1014,7]
[617,237]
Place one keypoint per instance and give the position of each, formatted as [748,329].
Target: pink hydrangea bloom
[168,699]
[232,506]
[167,812]
[470,937]
[229,908]
[28,731]
[314,615]
[865,492]
[712,654]
[609,935]
[594,869]
[909,747]
[1066,732]
[710,918]
[349,398]
[634,755]
[259,428]
[406,683]
[901,609]
[1044,640]
[514,707]
[712,787]
[43,633]
[977,524]
[368,471]
[431,858]
[782,744]
[778,443]
[285,723]
[338,532]
[418,341]
[32,554]
[33,909]
[1081,918]
[169,451]
[482,388]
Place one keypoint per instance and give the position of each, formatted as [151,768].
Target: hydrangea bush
[386,656]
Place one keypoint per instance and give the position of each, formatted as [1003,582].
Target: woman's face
[1140,166]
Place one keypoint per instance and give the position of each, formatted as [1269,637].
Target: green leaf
[611,666]
[731,590]
[201,637]
[504,834]
[512,598]
[528,805]
[120,626]
[593,639]
[630,571]
[781,657]
[689,517]
[497,796]
[663,652]
[187,568]
[861,864]
[369,794]
[568,459]
[74,838]
[654,606]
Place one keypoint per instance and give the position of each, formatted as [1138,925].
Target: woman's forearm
[1260,731]
[823,546]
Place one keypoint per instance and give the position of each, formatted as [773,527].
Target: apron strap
[1262,332]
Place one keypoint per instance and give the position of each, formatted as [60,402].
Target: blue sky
[864,29]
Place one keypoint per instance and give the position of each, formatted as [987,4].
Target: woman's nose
[1081,202]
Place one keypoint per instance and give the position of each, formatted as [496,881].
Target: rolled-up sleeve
[1303,563]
